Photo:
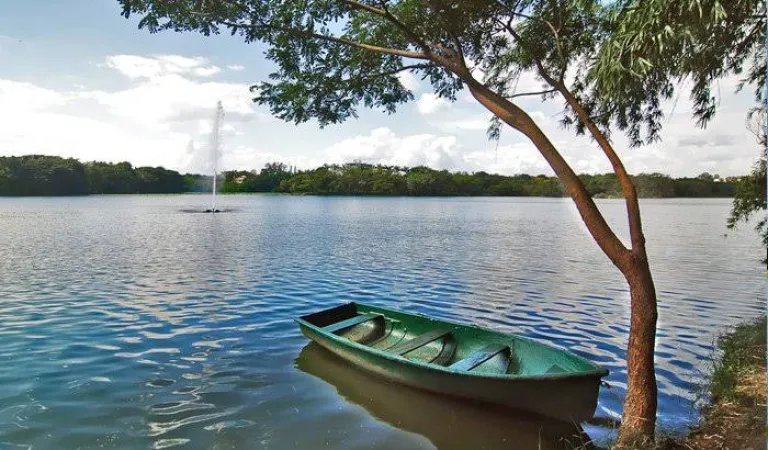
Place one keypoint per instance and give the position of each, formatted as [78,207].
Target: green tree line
[367,179]
[52,175]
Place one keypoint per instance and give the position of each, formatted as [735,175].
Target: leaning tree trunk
[639,416]
[638,420]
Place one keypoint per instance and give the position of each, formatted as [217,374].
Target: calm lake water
[126,322]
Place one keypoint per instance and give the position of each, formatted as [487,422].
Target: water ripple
[126,323]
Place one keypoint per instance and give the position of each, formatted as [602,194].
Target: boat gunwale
[597,371]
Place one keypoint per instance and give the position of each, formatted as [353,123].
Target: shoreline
[735,416]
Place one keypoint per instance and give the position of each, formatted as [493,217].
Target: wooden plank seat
[349,323]
[556,369]
[419,341]
[478,357]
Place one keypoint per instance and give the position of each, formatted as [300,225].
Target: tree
[333,56]
[750,198]
[42,175]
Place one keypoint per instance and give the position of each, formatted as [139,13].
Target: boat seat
[419,341]
[349,323]
[478,357]
[556,369]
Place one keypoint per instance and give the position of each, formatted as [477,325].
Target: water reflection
[448,423]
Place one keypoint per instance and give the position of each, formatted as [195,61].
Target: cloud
[17,97]
[383,146]
[87,139]
[702,140]
[173,98]
[134,66]
[246,157]
[478,123]
[206,71]
[235,67]
[166,91]
[508,160]
[408,81]
[430,103]
[148,123]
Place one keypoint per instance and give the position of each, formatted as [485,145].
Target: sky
[78,80]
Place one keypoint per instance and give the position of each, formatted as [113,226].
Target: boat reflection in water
[447,422]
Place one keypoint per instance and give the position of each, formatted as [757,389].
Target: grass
[743,355]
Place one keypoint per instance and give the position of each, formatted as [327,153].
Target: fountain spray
[215,150]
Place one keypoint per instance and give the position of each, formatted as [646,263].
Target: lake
[129,322]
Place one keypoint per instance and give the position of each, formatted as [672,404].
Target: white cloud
[134,66]
[20,97]
[430,103]
[244,157]
[150,122]
[508,160]
[235,67]
[206,71]
[165,93]
[87,139]
[408,81]
[383,146]
[468,124]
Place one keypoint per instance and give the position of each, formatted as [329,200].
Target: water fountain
[215,152]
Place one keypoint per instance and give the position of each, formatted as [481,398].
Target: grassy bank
[735,417]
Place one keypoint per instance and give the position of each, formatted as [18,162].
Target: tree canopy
[749,199]
[653,48]
[53,175]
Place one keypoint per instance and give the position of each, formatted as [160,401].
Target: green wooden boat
[459,360]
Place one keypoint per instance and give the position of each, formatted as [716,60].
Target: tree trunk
[639,417]
[638,421]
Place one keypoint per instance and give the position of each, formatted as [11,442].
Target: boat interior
[459,348]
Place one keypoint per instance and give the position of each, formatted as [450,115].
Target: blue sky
[79,80]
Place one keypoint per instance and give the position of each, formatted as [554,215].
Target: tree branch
[525,94]
[388,72]
[544,74]
[454,37]
[627,187]
[385,13]
[363,7]
[334,39]
[515,117]
[555,33]
[407,31]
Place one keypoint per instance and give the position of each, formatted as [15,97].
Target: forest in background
[52,175]
[367,179]
[40,175]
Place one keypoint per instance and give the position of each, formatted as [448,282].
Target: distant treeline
[52,175]
[366,179]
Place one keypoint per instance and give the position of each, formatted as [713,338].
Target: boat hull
[570,398]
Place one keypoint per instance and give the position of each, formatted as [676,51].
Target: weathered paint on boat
[459,360]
